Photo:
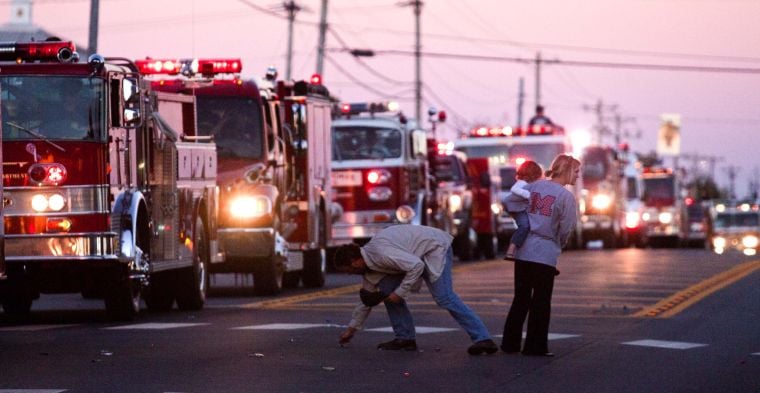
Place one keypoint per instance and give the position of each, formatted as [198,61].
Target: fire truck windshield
[235,123]
[659,191]
[53,108]
[446,169]
[595,165]
[365,143]
[737,219]
[542,153]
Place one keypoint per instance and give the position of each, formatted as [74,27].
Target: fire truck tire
[268,277]
[160,293]
[486,247]
[122,298]
[291,279]
[315,261]
[464,247]
[191,281]
[18,301]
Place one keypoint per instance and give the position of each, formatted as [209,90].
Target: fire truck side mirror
[130,97]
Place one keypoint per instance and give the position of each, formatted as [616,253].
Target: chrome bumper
[247,242]
[62,247]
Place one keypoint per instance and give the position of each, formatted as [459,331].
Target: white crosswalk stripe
[155,326]
[756,354]
[664,344]
[32,390]
[32,328]
[284,326]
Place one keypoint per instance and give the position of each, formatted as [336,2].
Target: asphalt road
[622,321]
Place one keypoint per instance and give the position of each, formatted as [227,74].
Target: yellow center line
[681,300]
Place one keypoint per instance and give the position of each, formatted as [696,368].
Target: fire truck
[663,209]
[107,186]
[259,173]
[379,170]
[505,147]
[602,201]
[451,210]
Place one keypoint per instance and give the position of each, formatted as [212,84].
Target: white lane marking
[664,344]
[32,328]
[32,390]
[155,326]
[756,354]
[418,329]
[283,326]
[551,336]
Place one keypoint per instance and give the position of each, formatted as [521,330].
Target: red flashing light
[37,51]
[689,201]
[345,108]
[48,174]
[316,79]
[441,116]
[189,67]
[378,176]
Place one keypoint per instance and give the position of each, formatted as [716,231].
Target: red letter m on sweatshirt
[542,206]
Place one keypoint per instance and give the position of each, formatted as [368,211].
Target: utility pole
[92,45]
[538,79]
[417,4]
[322,34]
[731,172]
[601,127]
[520,101]
[292,9]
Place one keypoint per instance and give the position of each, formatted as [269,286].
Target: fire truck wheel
[267,279]
[17,303]
[464,246]
[123,298]
[191,281]
[291,279]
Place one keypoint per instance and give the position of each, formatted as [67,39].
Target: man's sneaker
[398,344]
[484,346]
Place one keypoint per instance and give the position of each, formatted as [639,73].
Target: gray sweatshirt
[412,250]
[552,212]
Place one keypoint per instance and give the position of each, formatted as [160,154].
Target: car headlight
[750,241]
[455,202]
[632,220]
[601,201]
[250,206]
[719,242]
[665,217]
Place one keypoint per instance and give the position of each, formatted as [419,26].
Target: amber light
[58,224]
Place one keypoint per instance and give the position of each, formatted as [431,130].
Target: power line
[580,63]
[357,80]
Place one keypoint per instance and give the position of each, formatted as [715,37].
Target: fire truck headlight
[646,216]
[665,217]
[632,220]
[601,201]
[455,202]
[496,208]
[719,242]
[380,194]
[750,241]
[250,206]
[405,214]
[378,176]
[39,203]
[56,202]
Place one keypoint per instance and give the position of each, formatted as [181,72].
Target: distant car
[698,224]
[736,228]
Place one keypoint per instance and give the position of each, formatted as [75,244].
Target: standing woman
[552,215]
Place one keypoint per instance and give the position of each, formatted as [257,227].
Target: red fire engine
[379,170]
[603,203]
[308,211]
[507,147]
[663,209]
[107,187]
[259,174]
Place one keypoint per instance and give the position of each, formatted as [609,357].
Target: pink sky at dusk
[720,111]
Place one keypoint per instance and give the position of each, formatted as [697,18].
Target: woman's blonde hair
[562,165]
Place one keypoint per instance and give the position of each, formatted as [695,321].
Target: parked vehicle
[108,187]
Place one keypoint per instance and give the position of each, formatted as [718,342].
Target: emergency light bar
[189,67]
[368,107]
[62,51]
[546,129]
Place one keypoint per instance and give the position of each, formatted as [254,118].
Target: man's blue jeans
[443,293]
